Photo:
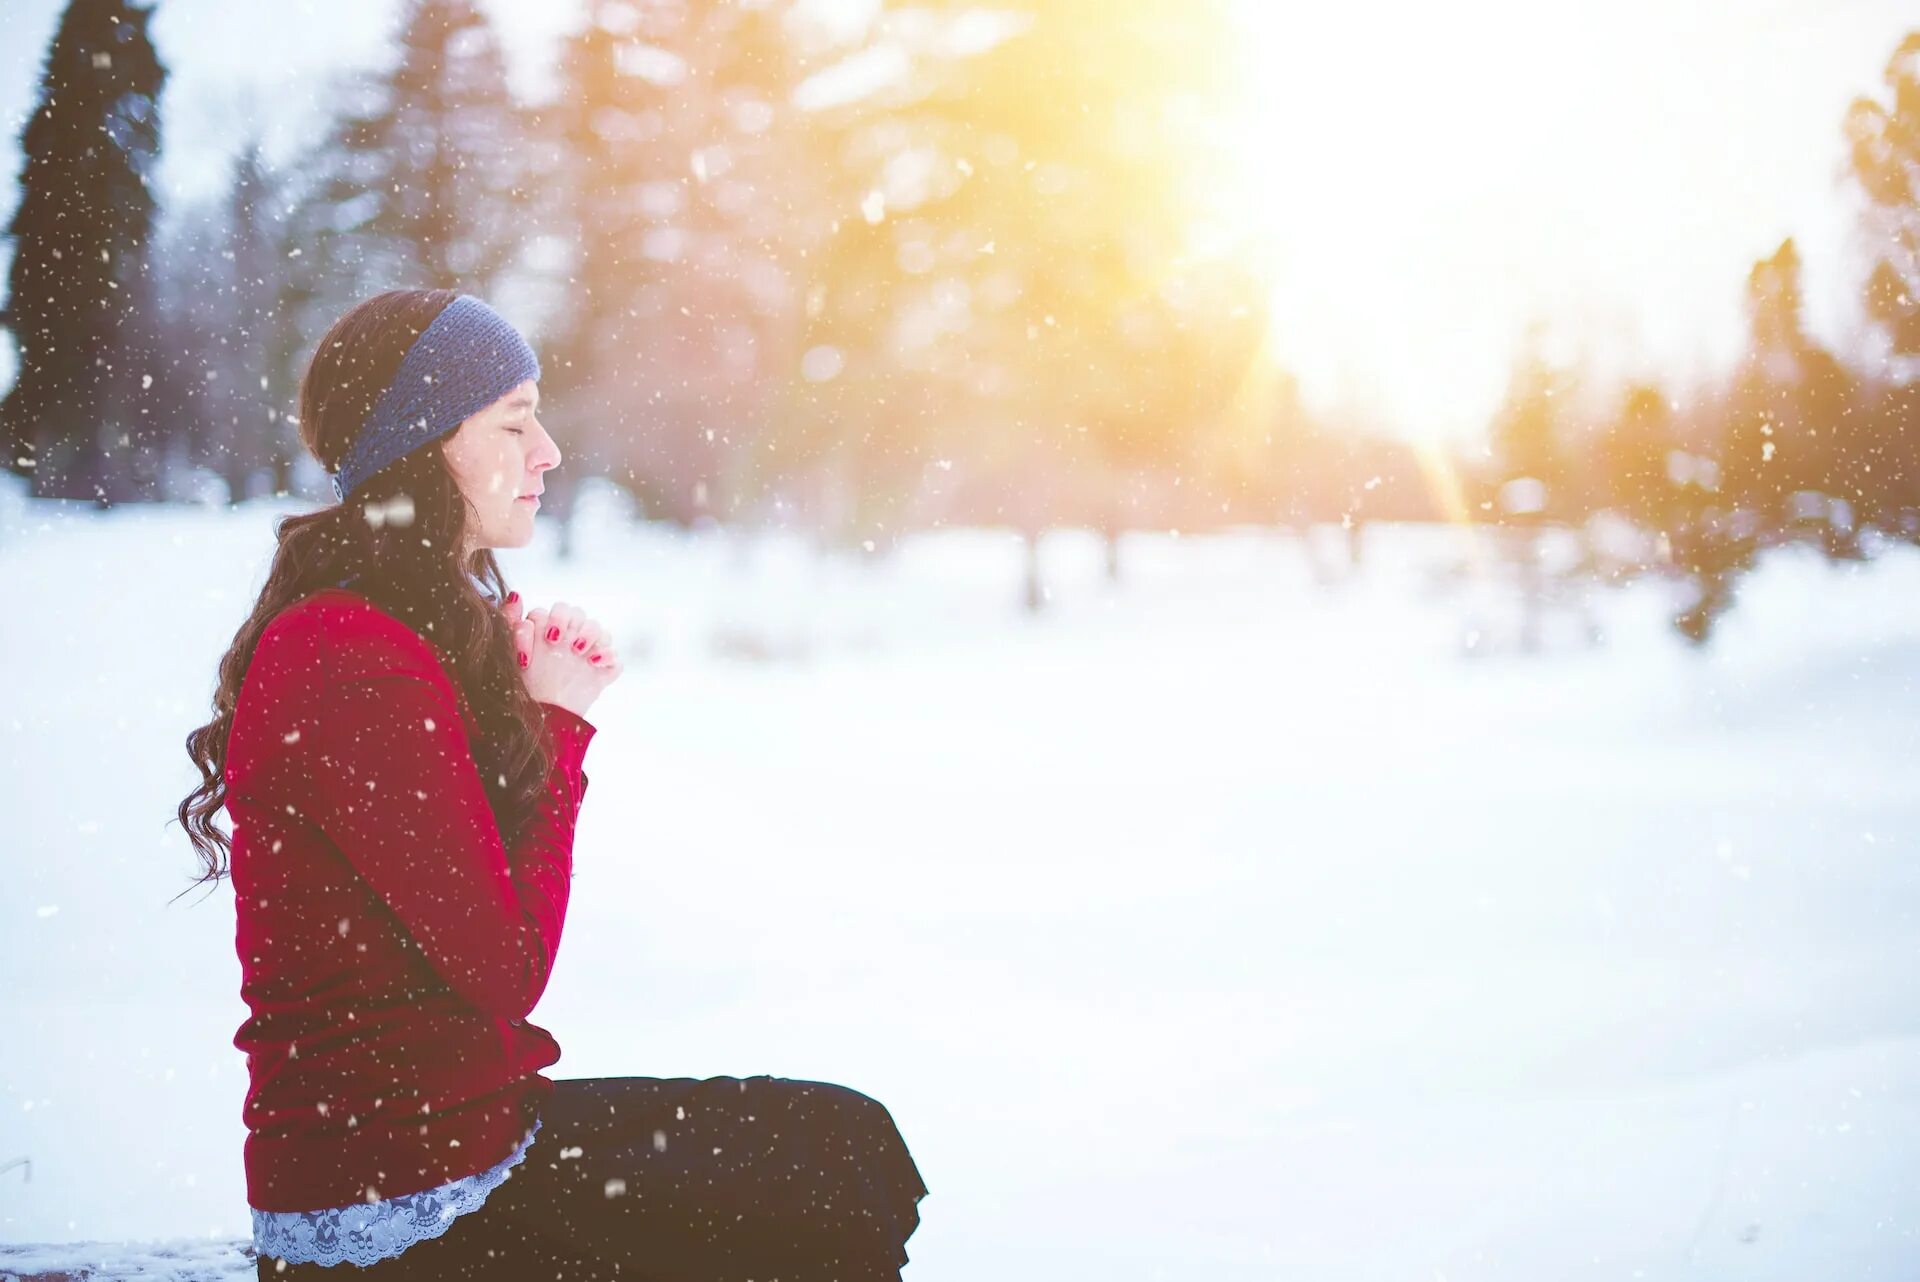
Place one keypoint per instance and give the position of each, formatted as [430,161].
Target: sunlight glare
[1426,178]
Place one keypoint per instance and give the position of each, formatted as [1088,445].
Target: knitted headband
[467,359]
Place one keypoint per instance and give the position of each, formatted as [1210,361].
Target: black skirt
[647,1179]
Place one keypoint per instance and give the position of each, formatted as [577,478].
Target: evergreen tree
[419,182]
[589,207]
[1790,416]
[453,138]
[192,284]
[266,331]
[213,374]
[1885,161]
[1895,465]
[1526,433]
[333,259]
[80,298]
[1634,457]
[1015,207]
[678,183]
[245,434]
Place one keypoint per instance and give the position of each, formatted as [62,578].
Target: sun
[1391,169]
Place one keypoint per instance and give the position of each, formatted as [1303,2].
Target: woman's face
[498,457]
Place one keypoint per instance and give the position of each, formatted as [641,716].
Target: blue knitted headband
[467,359]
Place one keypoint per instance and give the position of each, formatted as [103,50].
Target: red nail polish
[523,658]
[553,634]
[512,597]
[580,645]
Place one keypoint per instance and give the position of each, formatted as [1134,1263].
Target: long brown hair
[408,563]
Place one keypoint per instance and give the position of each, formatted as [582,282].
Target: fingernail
[593,658]
[553,634]
[523,658]
[512,597]
[580,644]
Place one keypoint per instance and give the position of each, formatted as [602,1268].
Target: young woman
[399,746]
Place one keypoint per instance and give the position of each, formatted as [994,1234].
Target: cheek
[503,472]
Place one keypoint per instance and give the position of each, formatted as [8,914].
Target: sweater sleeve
[399,792]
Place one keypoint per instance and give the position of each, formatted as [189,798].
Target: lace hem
[367,1233]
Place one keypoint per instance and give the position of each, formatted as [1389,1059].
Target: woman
[400,749]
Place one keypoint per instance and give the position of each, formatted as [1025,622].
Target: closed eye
[516,431]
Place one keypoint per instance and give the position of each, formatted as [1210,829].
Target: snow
[1220,925]
[183,1260]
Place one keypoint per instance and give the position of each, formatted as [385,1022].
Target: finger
[588,638]
[560,624]
[600,647]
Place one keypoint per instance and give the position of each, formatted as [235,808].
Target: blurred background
[1292,629]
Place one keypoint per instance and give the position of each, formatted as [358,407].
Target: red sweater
[391,946]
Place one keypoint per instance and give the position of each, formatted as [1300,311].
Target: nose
[547,456]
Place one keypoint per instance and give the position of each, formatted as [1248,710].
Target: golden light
[1425,178]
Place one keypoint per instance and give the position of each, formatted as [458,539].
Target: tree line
[935,268]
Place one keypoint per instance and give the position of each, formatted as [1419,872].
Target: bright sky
[1426,177]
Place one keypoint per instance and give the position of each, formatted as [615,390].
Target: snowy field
[1218,926]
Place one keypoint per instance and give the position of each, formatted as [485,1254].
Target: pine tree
[596,197]
[1634,457]
[1014,213]
[332,257]
[1882,459]
[453,136]
[684,198]
[1791,414]
[224,373]
[246,436]
[1885,161]
[1526,433]
[80,298]
[193,283]
[256,242]
[420,180]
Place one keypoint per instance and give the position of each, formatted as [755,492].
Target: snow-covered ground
[1215,926]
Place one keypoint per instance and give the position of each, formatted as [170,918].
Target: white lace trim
[369,1232]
